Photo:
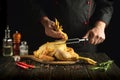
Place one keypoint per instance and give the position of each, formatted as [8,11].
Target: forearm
[103,11]
[44,20]
[100,24]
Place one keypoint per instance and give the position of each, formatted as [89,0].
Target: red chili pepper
[25,64]
[22,66]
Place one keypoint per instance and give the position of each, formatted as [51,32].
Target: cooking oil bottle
[7,43]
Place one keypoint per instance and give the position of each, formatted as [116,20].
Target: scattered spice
[47,66]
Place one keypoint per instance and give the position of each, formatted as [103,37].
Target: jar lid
[23,42]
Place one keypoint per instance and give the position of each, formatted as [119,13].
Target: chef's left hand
[96,35]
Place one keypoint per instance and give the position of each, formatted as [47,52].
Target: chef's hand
[50,28]
[96,35]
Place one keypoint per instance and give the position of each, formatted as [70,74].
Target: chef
[79,19]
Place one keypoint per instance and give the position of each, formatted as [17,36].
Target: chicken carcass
[58,50]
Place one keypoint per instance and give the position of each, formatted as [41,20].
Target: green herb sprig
[103,66]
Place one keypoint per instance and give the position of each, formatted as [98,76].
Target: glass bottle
[16,43]
[7,43]
[23,48]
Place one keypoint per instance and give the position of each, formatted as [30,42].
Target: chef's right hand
[50,28]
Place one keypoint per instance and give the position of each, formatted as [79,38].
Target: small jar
[23,48]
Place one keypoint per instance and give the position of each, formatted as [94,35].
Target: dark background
[22,17]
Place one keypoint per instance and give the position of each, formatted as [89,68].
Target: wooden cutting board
[48,62]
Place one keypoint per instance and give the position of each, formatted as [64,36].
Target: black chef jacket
[76,16]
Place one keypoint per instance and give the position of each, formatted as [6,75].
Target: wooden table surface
[77,71]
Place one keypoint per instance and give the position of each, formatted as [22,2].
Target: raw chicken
[58,50]
[51,51]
